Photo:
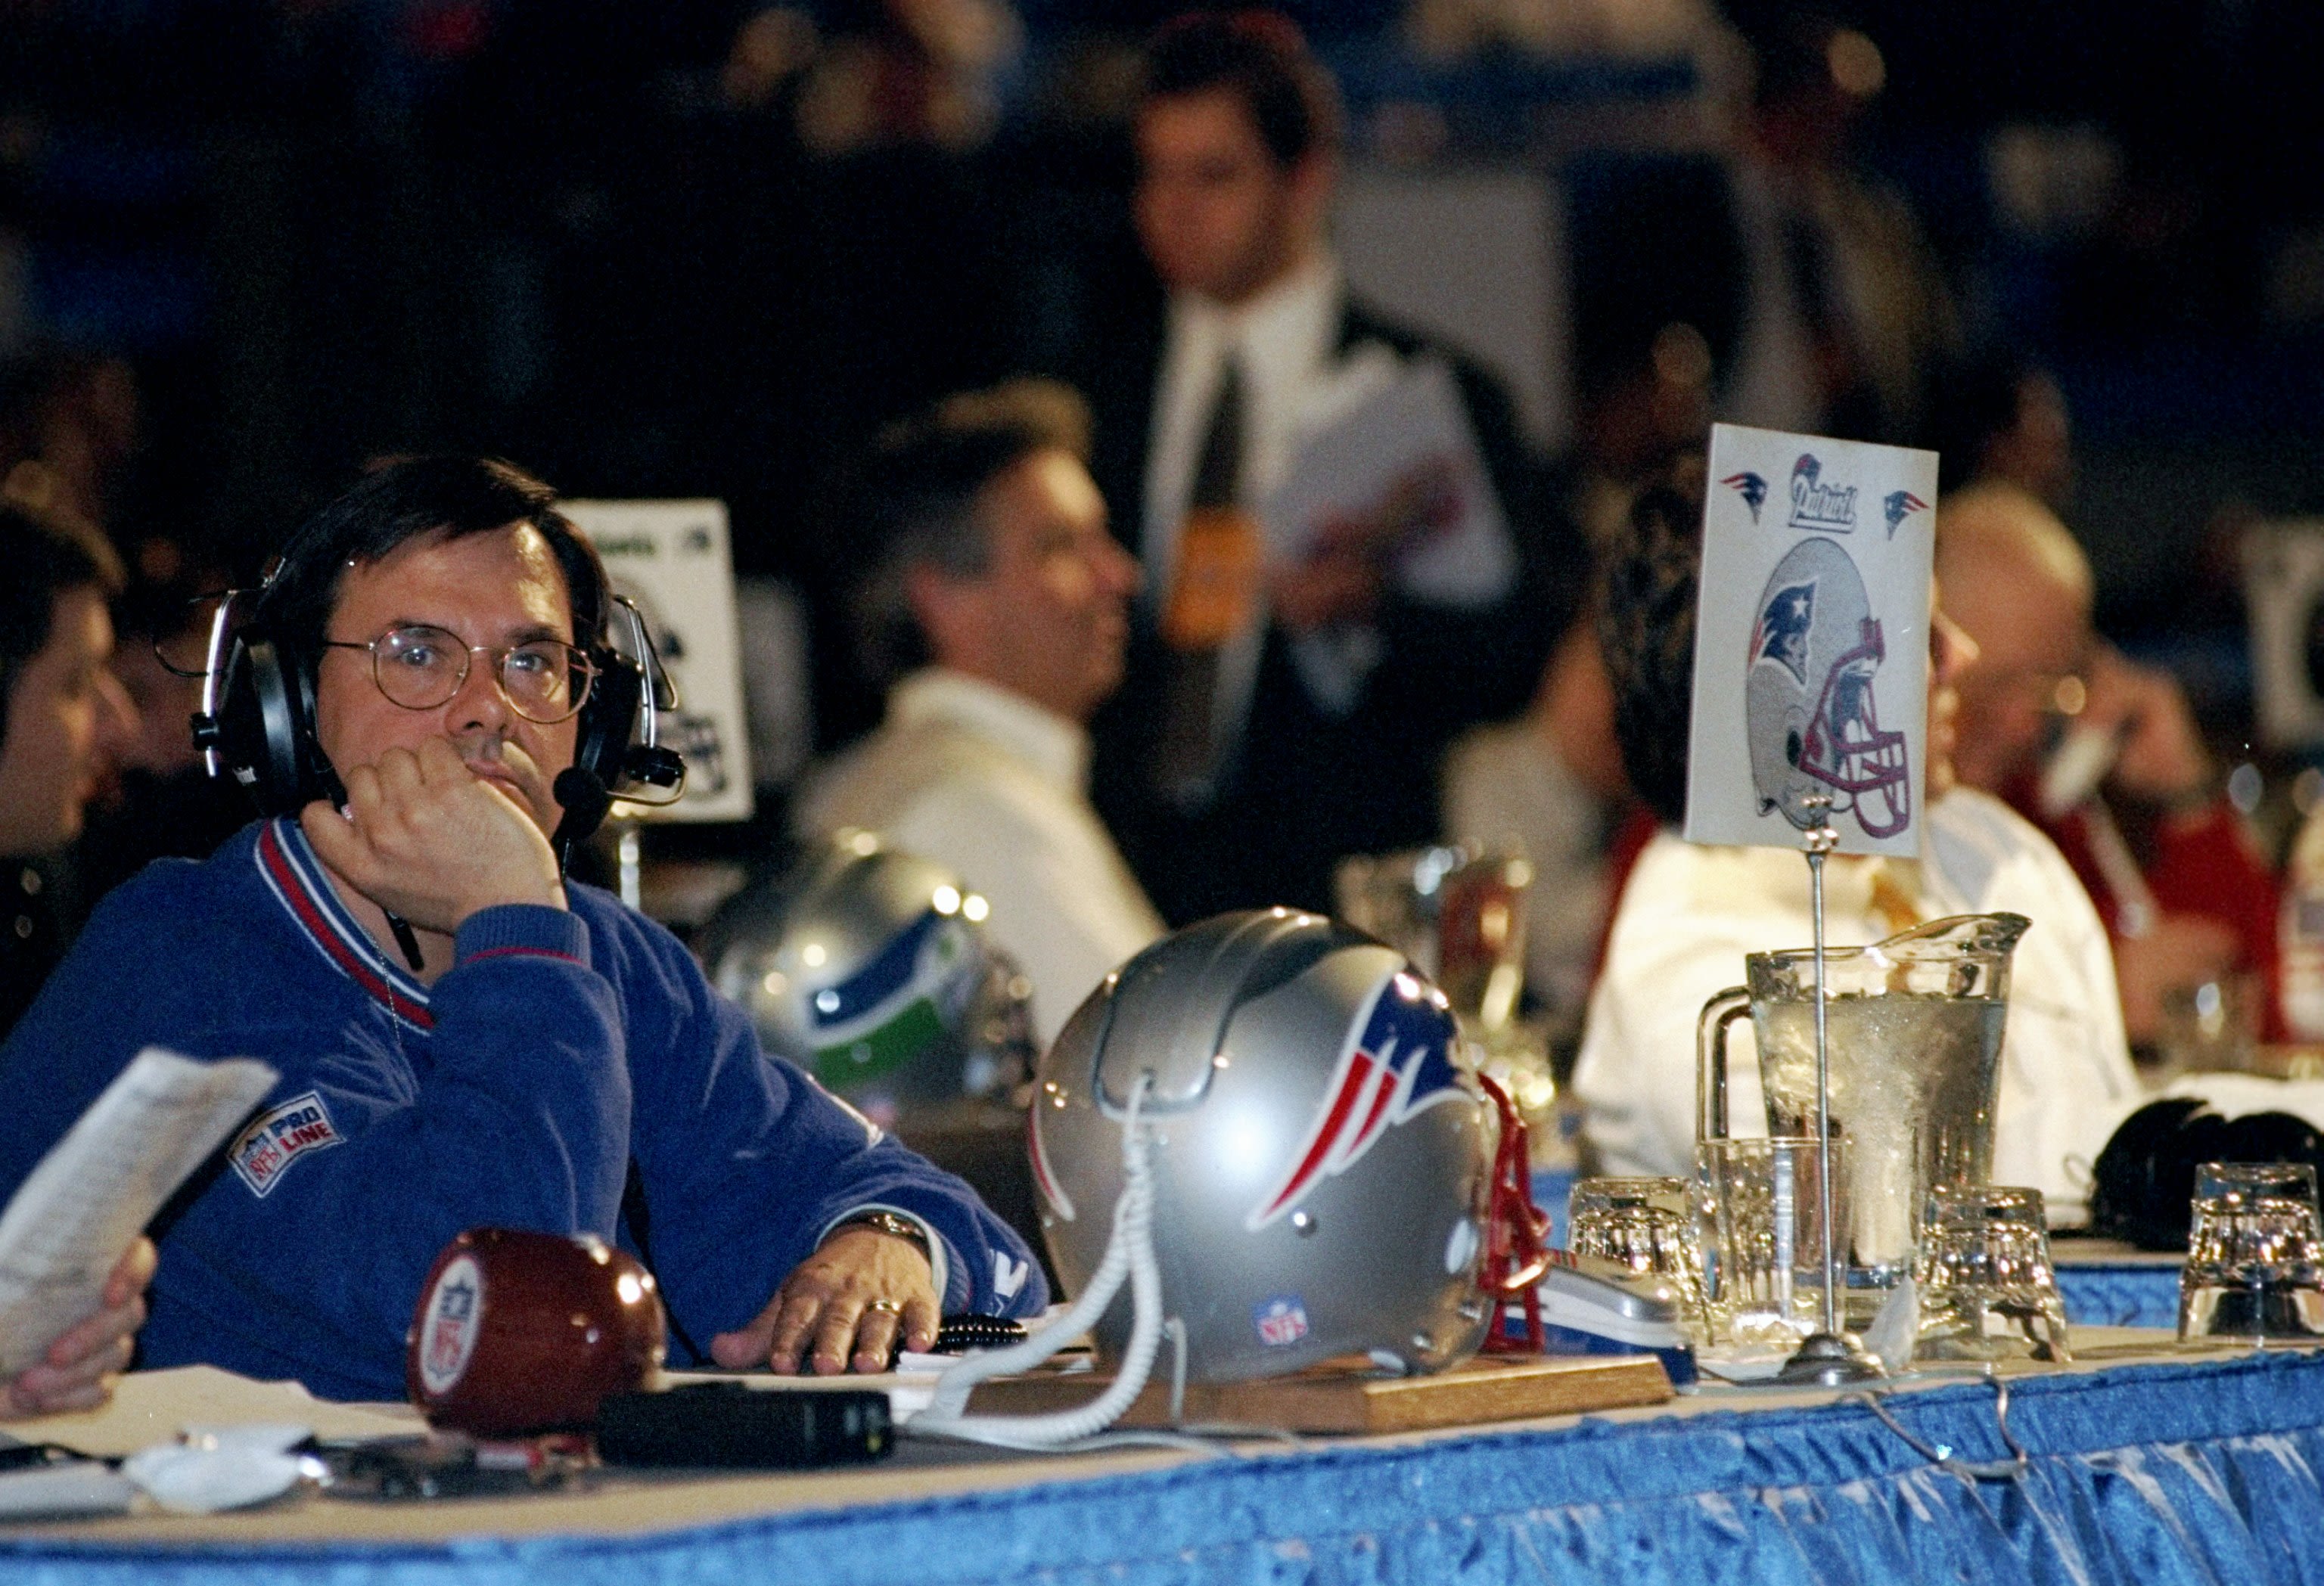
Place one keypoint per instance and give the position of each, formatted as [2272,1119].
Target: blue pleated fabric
[2198,1473]
[2120,1296]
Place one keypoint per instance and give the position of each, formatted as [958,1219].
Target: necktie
[1218,467]
[1211,596]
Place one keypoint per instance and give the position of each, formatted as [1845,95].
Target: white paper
[1811,642]
[1393,435]
[672,557]
[102,1183]
[157,1405]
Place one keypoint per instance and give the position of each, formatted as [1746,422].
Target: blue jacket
[515,1091]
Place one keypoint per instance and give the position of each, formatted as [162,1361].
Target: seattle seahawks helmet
[1322,1164]
[867,966]
[1808,707]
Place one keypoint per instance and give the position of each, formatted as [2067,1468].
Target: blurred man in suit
[1284,704]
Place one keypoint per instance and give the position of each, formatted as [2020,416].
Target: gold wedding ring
[891,1307]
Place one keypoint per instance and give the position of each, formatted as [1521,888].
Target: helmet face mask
[1322,1166]
[867,967]
[1813,721]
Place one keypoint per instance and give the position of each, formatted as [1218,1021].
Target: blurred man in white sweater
[996,603]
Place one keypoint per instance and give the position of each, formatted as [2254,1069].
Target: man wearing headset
[442,630]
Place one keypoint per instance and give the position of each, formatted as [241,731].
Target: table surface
[2074,1249]
[150,1405]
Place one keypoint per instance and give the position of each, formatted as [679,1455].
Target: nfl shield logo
[1280,1321]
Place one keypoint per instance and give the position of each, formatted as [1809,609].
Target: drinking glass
[2255,1266]
[1759,1207]
[2213,1027]
[1647,1224]
[1987,1290]
[1457,912]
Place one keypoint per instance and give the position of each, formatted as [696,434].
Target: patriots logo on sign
[1751,488]
[1397,1064]
[1816,505]
[1901,504]
[1781,634]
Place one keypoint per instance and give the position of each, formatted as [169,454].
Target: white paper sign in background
[1811,642]
[2284,590]
[671,558]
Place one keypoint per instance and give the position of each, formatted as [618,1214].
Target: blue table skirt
[2124,1295]
[2195,1472]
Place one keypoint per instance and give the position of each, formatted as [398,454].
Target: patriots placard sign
[1812,642]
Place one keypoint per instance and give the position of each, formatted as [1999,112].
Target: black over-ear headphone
[257,718]
[258,721]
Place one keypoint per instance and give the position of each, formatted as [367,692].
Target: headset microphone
[582,794]
[327,778]
[652,763]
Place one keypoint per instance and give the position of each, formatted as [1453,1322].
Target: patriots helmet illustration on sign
[1323,1160]
[1810,711]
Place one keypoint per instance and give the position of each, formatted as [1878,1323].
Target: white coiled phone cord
[1129,1251]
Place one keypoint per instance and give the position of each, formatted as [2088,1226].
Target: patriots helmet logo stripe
[1781,634]
[1806,470]
[1397,1064]
[1901,504]
[1751,488]
[1051,1190]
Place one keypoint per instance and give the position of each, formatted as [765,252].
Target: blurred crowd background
[703,248]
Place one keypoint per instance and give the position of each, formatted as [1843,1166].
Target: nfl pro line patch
[266,1149]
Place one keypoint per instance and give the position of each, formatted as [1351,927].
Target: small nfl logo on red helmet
[447,1336]
[1280,1321]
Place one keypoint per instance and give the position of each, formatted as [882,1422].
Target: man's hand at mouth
[425,838]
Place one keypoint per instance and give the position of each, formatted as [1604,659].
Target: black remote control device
[730,1425]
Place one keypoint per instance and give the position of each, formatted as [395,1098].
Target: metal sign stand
[1827,1358]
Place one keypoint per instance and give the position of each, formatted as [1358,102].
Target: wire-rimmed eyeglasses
[420,668]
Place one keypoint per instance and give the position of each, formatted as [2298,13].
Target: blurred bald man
[2104,755]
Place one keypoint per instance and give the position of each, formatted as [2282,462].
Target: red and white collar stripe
[287,864]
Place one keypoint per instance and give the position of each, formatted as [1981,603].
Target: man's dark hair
[1646,631]
[1791,52]
[1980,399]
[408,499]
[916,500]
[46,549]
[1260,57]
